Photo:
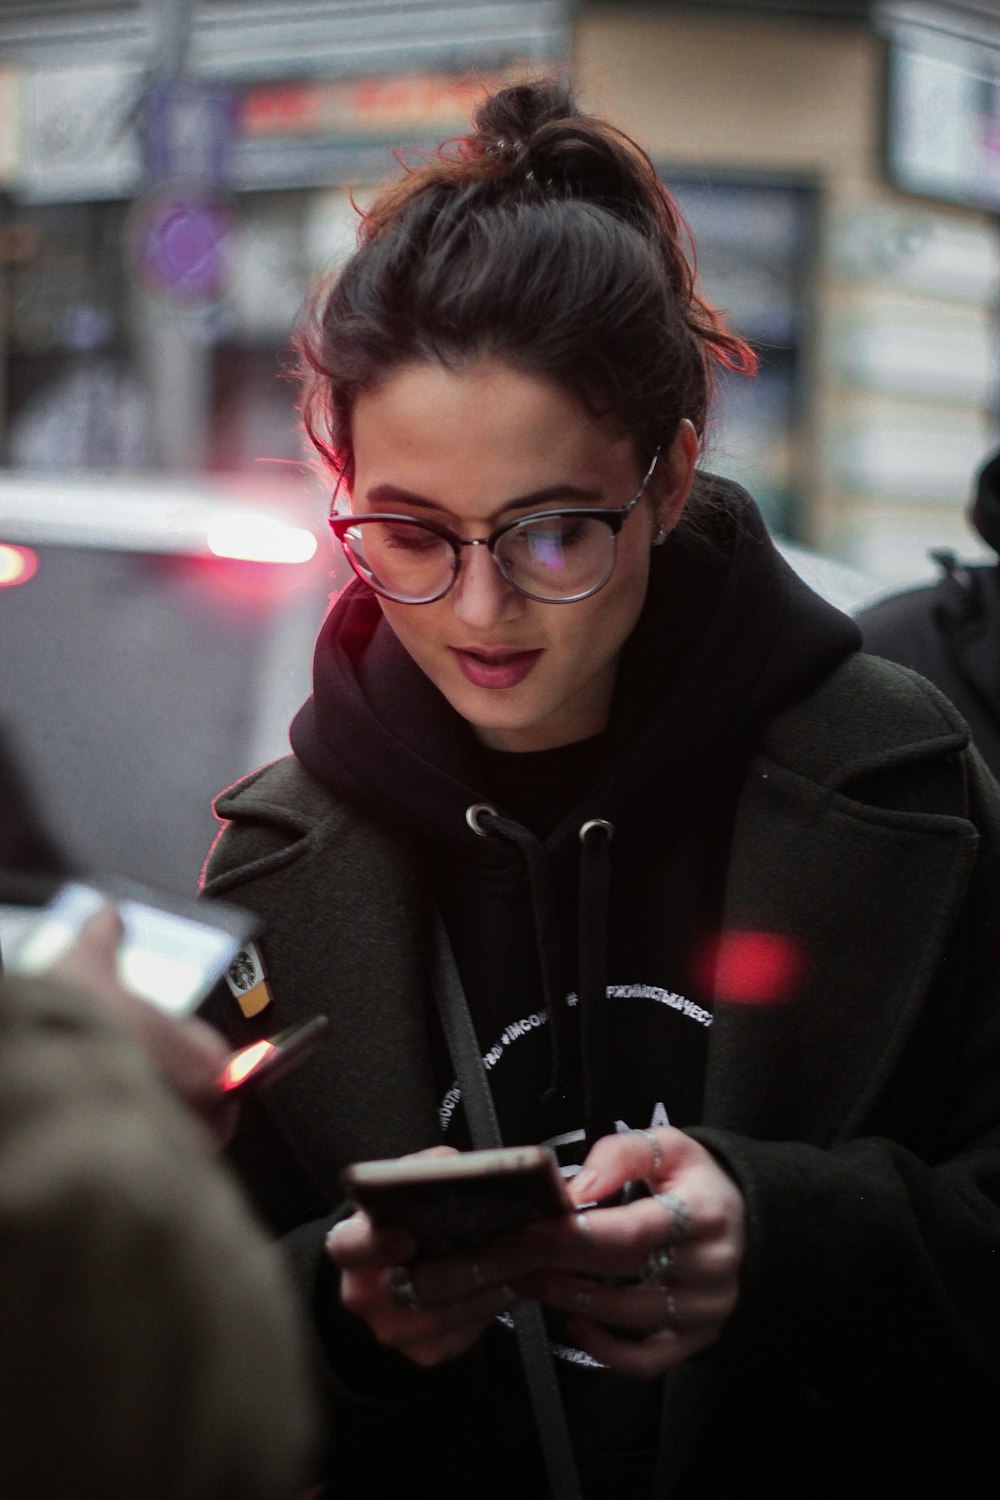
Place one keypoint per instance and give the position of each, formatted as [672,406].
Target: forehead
[487,431]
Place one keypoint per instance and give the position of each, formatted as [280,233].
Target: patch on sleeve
[247,981]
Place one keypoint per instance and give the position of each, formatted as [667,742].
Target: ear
[675,473]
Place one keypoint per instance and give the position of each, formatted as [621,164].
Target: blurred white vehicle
[155,639]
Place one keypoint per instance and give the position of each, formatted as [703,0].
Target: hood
[985,513]
[728,636]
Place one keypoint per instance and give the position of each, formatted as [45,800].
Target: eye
[408,538]
[552,533]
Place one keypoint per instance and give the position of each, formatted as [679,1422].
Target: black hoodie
[587,963]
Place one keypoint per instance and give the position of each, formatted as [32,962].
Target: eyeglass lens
[554,557]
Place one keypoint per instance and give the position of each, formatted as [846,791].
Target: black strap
[484,1128]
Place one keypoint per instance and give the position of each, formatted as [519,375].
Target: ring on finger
[402,1290]
[659,1264]
[671,1318]
[678,1213]
[657,1162]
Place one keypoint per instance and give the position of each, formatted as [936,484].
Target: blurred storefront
[177,174]
[839,164]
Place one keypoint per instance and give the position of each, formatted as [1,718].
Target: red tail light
[17,565]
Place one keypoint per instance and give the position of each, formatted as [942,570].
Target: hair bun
[533,136]
[511,117]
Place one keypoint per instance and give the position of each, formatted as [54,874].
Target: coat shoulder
[866,715]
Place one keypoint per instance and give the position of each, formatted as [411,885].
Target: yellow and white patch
[247,981]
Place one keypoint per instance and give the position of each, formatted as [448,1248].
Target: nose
[481,596]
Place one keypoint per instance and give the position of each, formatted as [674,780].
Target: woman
[720,891]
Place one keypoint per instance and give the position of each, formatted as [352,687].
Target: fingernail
[583,1184]
[333,1233]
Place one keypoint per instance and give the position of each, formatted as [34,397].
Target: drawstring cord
[592,939]
[592,917]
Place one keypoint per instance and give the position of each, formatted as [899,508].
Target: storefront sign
[80,134]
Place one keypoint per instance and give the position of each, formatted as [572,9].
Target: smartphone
[262,1062]
[452,1204]
[172,952]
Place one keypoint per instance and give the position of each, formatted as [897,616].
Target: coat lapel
[859,900]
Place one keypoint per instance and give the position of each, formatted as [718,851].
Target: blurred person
[719,892]
[949,631]
[150,1345]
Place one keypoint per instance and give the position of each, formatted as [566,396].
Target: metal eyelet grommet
[609,828]
[475,812]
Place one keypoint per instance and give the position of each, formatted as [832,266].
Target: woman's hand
[646,1285]
[649,1284]
[430,1312]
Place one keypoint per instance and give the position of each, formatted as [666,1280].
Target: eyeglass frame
[612,516]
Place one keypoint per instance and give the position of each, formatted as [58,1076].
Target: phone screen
[170,957]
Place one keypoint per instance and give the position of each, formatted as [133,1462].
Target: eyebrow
[382,496]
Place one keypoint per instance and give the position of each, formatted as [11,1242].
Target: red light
[753,968]
[244,1062]
[17,565]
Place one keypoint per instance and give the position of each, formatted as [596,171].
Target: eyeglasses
[553,556]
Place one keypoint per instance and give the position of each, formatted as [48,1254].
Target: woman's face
[472,449]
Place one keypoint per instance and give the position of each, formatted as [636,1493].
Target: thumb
[92,957]
[633,1156]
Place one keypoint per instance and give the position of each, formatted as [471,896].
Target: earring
[660,537]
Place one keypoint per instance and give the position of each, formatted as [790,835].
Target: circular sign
[180,244]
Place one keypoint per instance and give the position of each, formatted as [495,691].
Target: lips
[495,669]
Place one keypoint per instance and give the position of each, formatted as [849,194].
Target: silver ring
[671,1319]
[659,1264]
[402,1291]
[679,1215]
[585,1226]
[479,1276]
[657,1153]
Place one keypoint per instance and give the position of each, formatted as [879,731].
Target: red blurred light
[244,1062]
[753,968]
[17,565]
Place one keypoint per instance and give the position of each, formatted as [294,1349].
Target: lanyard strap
[484,1128]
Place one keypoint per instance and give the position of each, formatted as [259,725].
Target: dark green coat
[861,1118]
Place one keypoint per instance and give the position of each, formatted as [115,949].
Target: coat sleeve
[150,1342]
[872,1270]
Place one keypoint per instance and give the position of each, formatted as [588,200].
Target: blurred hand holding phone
[127,945]
[171,952]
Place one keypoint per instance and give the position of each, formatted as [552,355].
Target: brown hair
[544,238]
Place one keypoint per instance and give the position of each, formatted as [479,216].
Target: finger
[601,1241]
[630,1156]
[354,1243]
[645,1309]
[390,1303]
[92,957]
[450,1289]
